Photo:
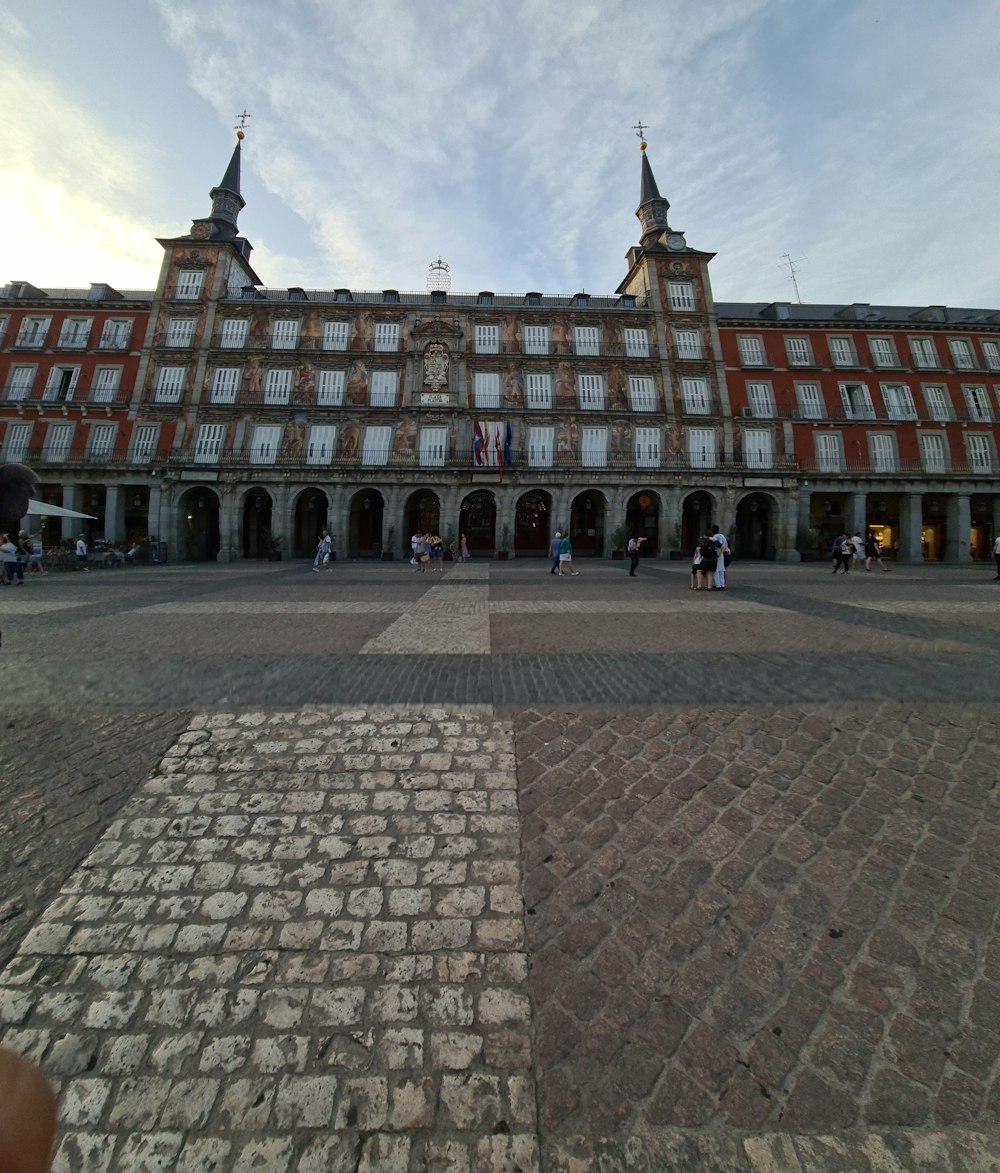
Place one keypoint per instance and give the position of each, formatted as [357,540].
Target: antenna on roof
[787,261]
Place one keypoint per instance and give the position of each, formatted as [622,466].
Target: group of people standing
[18,555]
[427,550]
[848,550]
[710,562]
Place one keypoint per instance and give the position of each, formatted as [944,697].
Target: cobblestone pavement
[480,870]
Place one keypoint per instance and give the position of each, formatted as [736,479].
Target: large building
[226,418]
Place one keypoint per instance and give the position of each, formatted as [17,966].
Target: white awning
[42,509]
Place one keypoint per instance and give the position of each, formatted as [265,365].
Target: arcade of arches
[371,522]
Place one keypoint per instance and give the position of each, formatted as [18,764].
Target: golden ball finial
[642,144]
[240,135]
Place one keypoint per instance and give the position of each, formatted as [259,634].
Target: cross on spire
[640,134]
[241,121]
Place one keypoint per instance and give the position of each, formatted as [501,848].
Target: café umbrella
[43,509]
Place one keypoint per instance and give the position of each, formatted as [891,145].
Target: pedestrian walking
[695,568]
[858,550]
[873,553]
[555,547]
[566,559]
[634,550]
[842,553]
[996,555]
[36,552]
[82,561]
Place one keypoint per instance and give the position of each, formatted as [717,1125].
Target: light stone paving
[445,620]
[301,947]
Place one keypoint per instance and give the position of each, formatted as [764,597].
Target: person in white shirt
[719,578]
[81,553]
[996,555]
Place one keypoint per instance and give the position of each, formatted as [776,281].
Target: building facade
[227,419]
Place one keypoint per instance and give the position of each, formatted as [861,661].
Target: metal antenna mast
[787,261]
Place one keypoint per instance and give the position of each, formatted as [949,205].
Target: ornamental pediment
[435,328]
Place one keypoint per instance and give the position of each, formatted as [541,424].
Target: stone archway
[587,523]
[642,520]
[256,527]
[479,522]
[311,511]
[696,519]
[756,534]
[422,515]
[364,539]
[532,524]
[199,517]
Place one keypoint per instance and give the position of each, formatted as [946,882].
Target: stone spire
[227,203]
[653,208]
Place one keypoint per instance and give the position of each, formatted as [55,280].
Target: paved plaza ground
[387,871]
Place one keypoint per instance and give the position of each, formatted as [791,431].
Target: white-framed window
[384,389]
[680,295]
[978,403]
[594,447]
[433,447]
[265,443]
[487,339]
[375,446]
[882,448]
[857,401]
[117,334]
[761,399]
[701,447]
[105,386]
[33,331]
[278,385]
[991,354]
[16,442]
[938,400]
[20,380]
[933,452]
[642,393]
[321,444]
[75,333]
[694,393]
[180,331]
[58,441]
[829,451]
[842,350]
[536,340]
[898,401]
[883,352]
[234,333]
[924,352]
[60,387]
[189,283]
[647,447]
[799,350]
[758,448]
[586,340]
[387,336]
[538,391]
[208,443]
[225,384]
[751,350]
[285,333]
[335,335]
[687,343]
[169,384]
[979,449]
[330,388]
[636,343]
[144,443]
[101,444]
[590,391]
[810,401]
[3,326]
[540,441]
[486,389]
[961,354]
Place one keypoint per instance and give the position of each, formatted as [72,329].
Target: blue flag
[507,441]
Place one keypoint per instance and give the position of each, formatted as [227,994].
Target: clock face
[676,241]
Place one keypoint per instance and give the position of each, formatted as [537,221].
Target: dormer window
[438,296]
[532,299]
[390,296]
[342,295]
[485,298]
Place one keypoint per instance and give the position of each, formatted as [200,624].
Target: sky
[860,138]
